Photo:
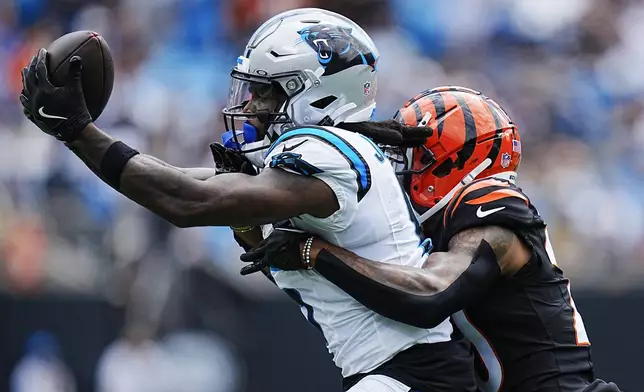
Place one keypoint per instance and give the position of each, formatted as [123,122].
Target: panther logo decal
[337,49]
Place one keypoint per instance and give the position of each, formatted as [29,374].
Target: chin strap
[340,114]
[509,176]
[337,116]
[466,180]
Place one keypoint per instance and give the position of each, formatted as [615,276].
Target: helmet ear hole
[324,102]
[444,168]
[427,158]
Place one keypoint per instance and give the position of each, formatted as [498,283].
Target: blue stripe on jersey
[352,156]
[297,297]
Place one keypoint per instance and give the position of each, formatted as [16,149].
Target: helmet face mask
[302,67]
[259,102]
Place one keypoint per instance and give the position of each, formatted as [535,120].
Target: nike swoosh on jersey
[45,115]
[293,147]
[482,214]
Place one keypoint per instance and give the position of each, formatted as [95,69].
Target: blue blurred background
[99,294]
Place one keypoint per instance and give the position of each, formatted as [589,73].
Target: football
[98,68]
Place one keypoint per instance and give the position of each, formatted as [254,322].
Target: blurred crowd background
[569,72]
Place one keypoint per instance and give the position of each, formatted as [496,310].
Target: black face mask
[246,87]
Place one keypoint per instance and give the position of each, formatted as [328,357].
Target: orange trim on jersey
[585,343]
[497,195]
[476,186]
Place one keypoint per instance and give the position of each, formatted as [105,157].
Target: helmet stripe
[470,133]
[439,105]
[418,111]
[496,146]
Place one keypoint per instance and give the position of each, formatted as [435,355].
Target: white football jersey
[374,221]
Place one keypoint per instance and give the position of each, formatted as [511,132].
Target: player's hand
[392,133]
[228,160]
[413,136]
[281,250]
[57,110]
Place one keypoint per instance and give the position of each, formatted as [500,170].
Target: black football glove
[59,111]
[281,249]
[228,160]
[391,133]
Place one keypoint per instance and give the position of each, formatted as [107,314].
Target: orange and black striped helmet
[468,128]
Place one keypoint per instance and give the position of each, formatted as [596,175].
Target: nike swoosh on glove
[59,111]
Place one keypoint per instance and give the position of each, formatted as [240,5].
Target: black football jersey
[527,332]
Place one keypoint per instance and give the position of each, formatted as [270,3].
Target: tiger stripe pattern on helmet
[469,127]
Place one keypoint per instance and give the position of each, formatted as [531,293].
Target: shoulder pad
[323,152]
[490,201]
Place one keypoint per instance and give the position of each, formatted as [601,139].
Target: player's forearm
[422,298]
[197,173]
[96,170]
[155,185]
[90,147]
[407,279]
[233,199]
[381,288]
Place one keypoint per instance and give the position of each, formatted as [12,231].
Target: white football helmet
[324,63]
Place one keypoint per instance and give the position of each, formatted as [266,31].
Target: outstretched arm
[227,200]
[424,297]
[197,173]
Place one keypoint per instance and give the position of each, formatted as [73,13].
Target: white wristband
[306,253]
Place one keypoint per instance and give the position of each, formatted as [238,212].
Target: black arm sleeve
[423,311]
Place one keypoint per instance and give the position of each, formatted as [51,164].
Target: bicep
[511,253]
[269,197]
[420,297]
[437,274]
[441,269]
[288,195]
